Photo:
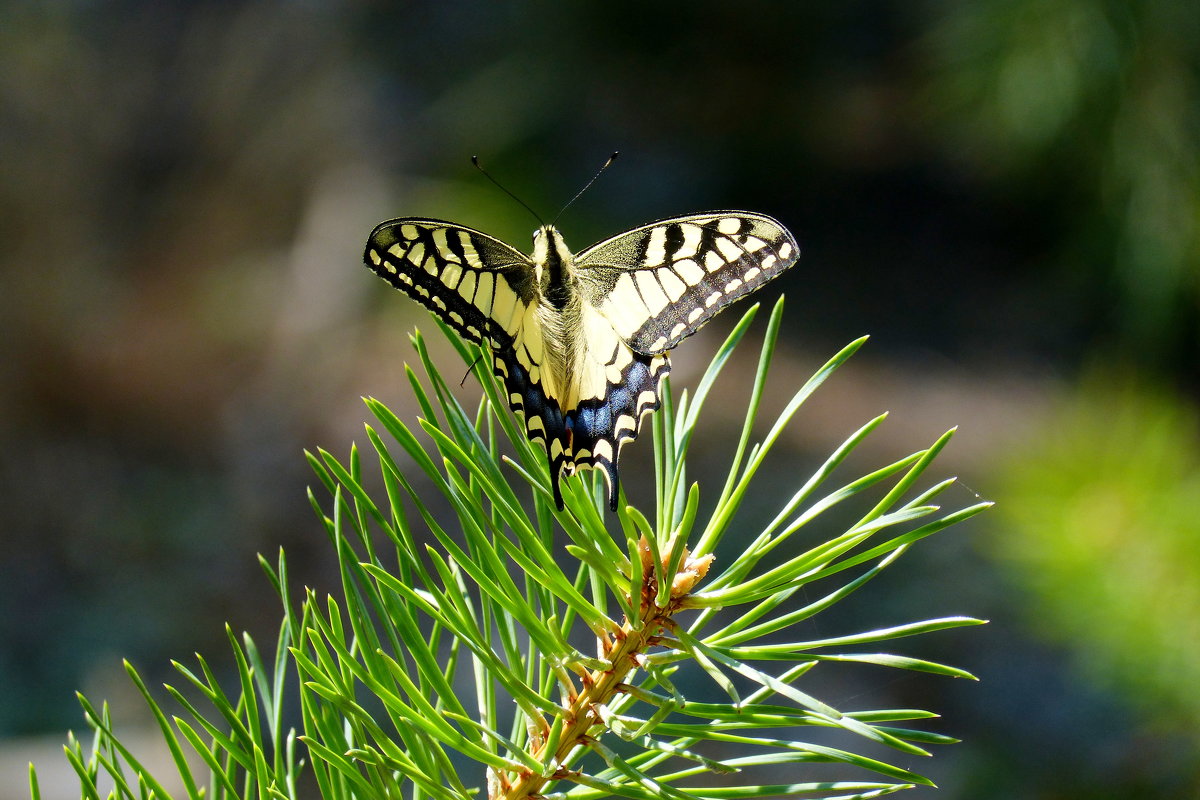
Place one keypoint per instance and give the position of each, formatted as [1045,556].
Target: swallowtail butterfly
[581,341]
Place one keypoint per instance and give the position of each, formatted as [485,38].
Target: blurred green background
[1005,193]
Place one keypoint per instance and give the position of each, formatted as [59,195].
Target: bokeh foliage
[1092,110]
[1102,531]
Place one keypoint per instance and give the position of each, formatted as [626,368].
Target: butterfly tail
[614,483]
[556,483]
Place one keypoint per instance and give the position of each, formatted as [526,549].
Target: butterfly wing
[617,389]
[477,284]
[659,284]
[483,289]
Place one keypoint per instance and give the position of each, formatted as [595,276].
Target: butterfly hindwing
[659,283]
[616,390]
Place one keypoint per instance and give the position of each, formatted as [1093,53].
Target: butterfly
[580,341]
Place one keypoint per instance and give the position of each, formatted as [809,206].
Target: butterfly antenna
[478,166]
[608,163]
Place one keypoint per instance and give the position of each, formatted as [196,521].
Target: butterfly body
[580,341]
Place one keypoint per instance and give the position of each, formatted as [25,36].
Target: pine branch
[489,597]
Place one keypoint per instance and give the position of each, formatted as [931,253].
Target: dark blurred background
[1004,193]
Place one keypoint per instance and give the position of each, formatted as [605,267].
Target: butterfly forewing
[476,283]
[659,283]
